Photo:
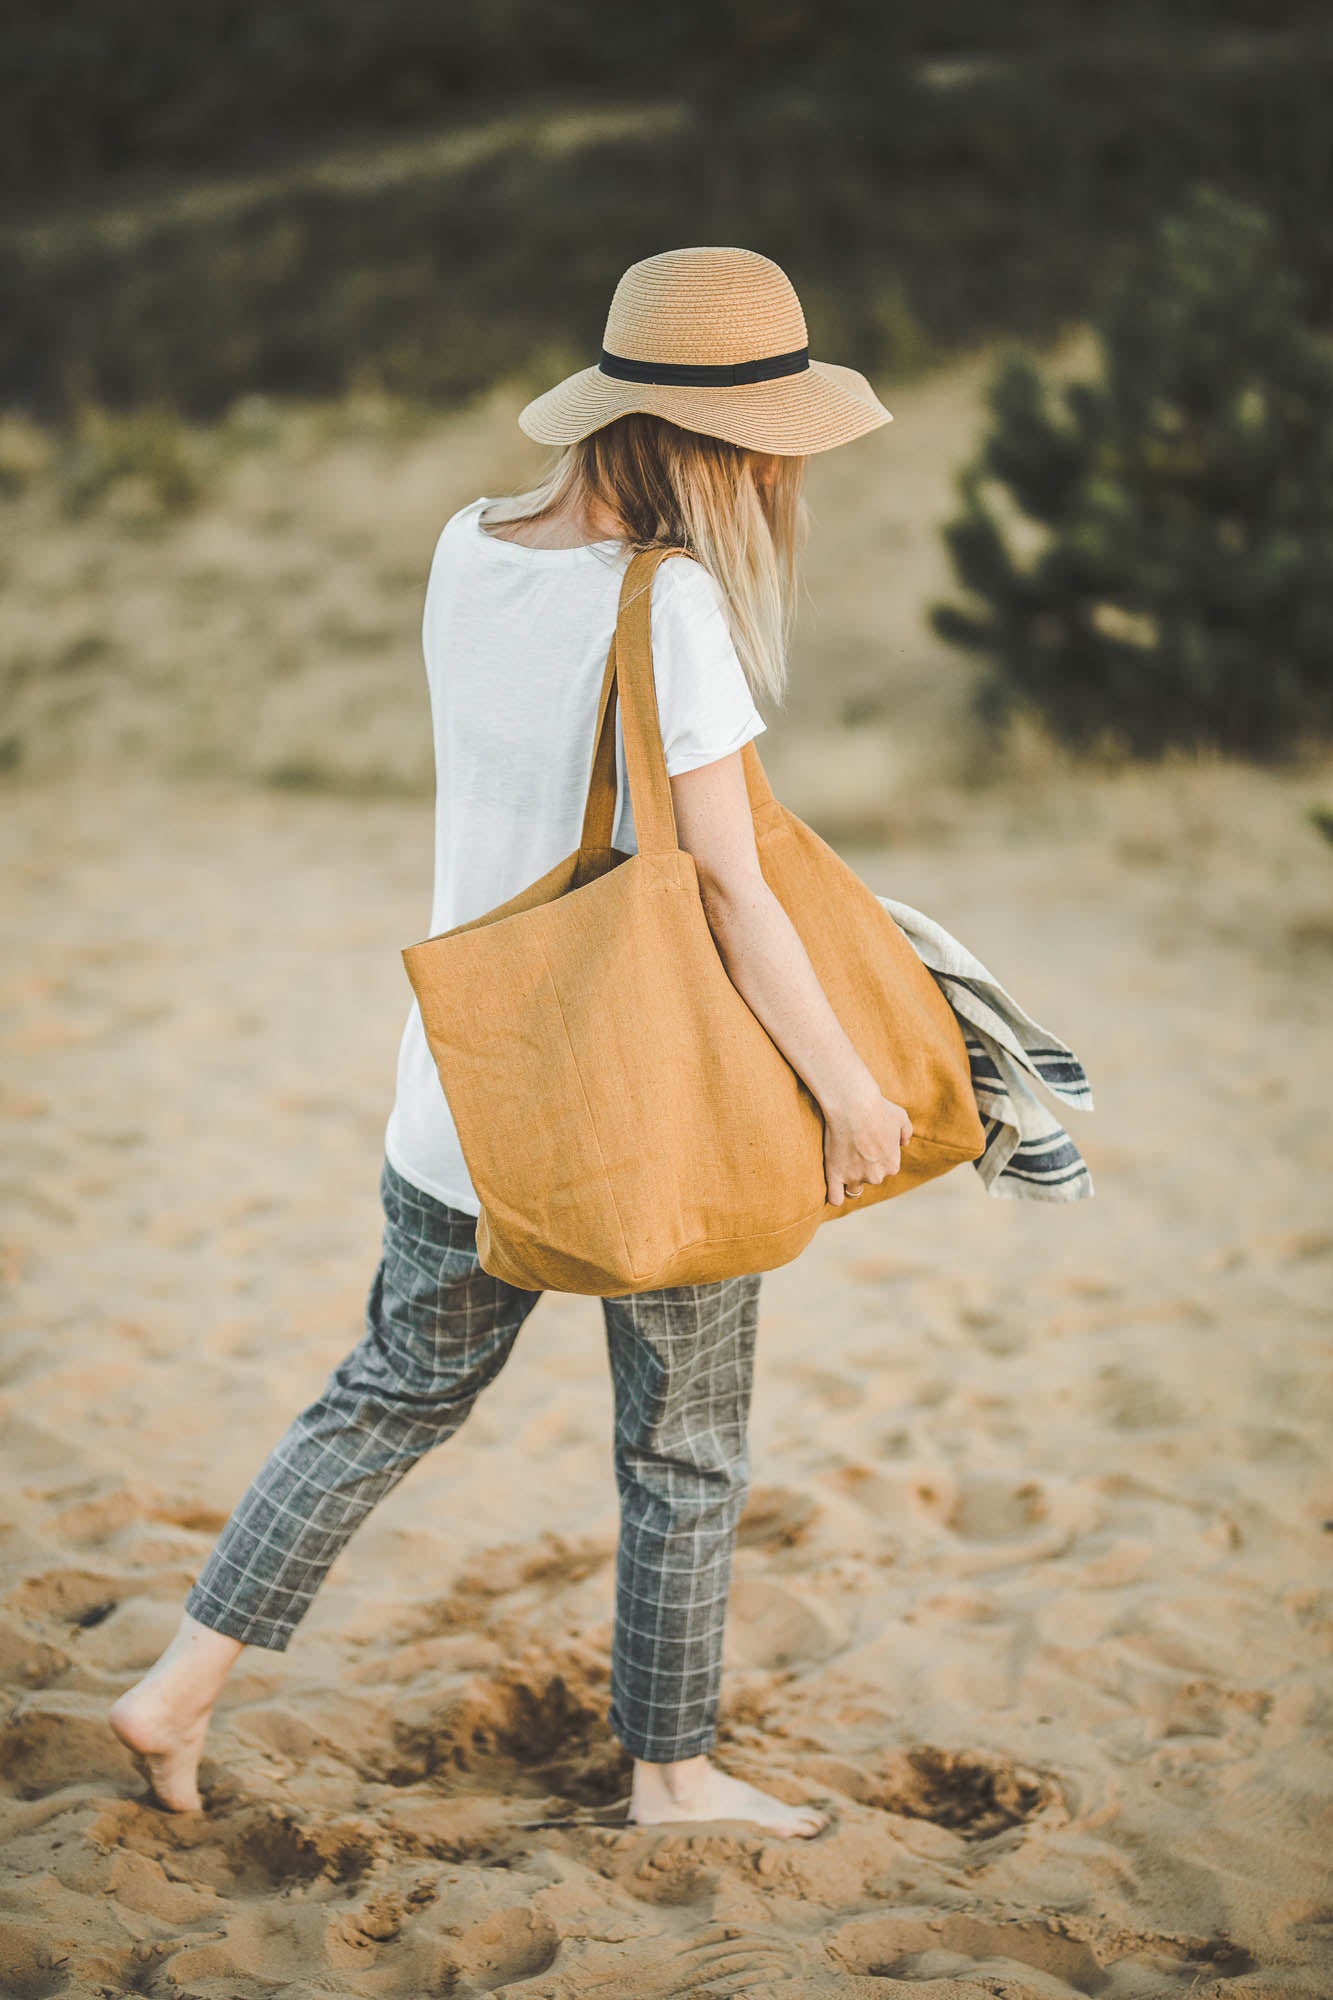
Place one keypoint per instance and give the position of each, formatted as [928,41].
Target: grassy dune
[244,600]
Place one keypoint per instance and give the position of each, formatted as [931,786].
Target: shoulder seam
[693,567]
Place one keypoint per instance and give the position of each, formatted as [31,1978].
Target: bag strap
[629,676]
[629,671]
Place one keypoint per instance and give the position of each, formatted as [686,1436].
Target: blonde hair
[668,486]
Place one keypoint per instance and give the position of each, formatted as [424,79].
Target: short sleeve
[704,702]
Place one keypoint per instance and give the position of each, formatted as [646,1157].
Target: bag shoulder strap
[629,673]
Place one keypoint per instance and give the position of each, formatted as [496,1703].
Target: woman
[692,430]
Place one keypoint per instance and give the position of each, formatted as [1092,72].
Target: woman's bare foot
[163,1718]
[695,1789]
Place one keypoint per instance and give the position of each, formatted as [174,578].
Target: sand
[1032,1588]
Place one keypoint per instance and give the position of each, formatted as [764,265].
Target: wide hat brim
[822,406]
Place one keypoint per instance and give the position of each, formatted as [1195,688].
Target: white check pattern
[438,1329]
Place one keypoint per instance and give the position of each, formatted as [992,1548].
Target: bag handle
[629,672]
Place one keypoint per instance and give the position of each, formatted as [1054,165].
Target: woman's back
[515,640]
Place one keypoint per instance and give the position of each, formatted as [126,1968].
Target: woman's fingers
[872,1175]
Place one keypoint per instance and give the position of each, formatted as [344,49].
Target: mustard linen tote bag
[626,1120]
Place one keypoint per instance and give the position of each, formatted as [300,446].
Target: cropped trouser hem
[659,1749]
[234,1624]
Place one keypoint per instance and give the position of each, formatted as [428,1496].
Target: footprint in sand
[913,1947]
[511,1945]
[828,1389]
[26,1660]
[998,1508]
[771,1626]
[1003,1518]
[91,1516]
[476,1829]
[67,1598]
[979,1950]
[44,1749]
[31,1962]
[1137,1403]
[720,1959]
[975,1793]
[702,1867]
[896,1490]
[269,1847]
[672,1875]
[542,1717]
[776,1518]
[95,1621]
[244,1852]
[519,1575]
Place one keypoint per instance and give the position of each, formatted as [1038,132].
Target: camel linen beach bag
[626,1120]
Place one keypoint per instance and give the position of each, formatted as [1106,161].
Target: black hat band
[706,374]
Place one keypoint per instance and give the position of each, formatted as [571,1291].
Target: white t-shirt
[515,642]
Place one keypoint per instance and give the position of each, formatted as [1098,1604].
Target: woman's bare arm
[771,969]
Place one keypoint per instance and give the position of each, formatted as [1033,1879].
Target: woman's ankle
[678,1778]
[195,1664]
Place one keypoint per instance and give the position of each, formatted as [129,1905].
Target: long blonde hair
[680,488]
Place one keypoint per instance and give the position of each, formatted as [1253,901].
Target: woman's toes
[172,1784]
[166,1753]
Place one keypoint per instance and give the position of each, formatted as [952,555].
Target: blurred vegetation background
[303,198]
[1181,591]
[215,213]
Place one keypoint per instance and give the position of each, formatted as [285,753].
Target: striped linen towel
[1028,1155]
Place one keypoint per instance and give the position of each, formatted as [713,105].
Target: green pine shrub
[1180,593]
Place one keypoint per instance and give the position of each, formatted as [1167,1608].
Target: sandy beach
[1032,1591]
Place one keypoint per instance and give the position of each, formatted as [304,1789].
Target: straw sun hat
[713,339]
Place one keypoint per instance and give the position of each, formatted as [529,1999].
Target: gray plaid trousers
[438,1329]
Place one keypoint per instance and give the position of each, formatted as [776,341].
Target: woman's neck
[567,529]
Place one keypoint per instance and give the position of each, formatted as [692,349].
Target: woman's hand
[863,1145]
